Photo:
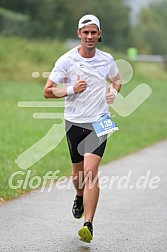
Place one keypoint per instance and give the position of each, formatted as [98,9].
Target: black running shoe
[86,232]
[78,208]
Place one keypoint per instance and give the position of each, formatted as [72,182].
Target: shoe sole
[85,234]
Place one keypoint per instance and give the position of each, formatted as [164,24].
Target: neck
[86,52]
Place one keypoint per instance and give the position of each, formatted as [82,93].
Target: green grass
[21,57]
[19,131]
[146,125]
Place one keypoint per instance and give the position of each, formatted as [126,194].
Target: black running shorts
[81,139]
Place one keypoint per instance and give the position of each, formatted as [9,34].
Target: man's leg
[91,195]
[78,176]
[91,189]
[87,169]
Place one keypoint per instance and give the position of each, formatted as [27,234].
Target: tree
[14,5]
[150,33]
[115,23]
[59,18]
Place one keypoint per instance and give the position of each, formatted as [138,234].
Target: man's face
[89,36]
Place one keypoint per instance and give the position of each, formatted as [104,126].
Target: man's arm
[52,90]
[113,89]
[116,83]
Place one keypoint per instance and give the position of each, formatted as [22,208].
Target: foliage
[150,33]
[59,18]
[12,23]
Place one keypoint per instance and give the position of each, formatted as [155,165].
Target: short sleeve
[112,69]
[58,73]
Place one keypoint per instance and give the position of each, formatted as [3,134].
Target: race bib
[104,126]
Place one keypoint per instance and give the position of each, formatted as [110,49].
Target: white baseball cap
[87,20]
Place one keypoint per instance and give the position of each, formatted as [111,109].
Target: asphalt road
[131,213]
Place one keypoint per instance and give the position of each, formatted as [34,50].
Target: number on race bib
[104,126]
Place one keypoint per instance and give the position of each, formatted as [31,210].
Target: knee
[90,173]
[77,174]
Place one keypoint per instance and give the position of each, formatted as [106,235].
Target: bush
[12,23]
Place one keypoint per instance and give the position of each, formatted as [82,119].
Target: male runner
[84,71]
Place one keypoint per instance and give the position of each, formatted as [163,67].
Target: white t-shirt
[90,105]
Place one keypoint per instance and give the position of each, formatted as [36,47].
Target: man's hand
[79,86]
[110,95]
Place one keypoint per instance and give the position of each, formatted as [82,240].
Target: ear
[100,33]
[79,33]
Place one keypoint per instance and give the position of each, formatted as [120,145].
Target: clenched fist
[79,86]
